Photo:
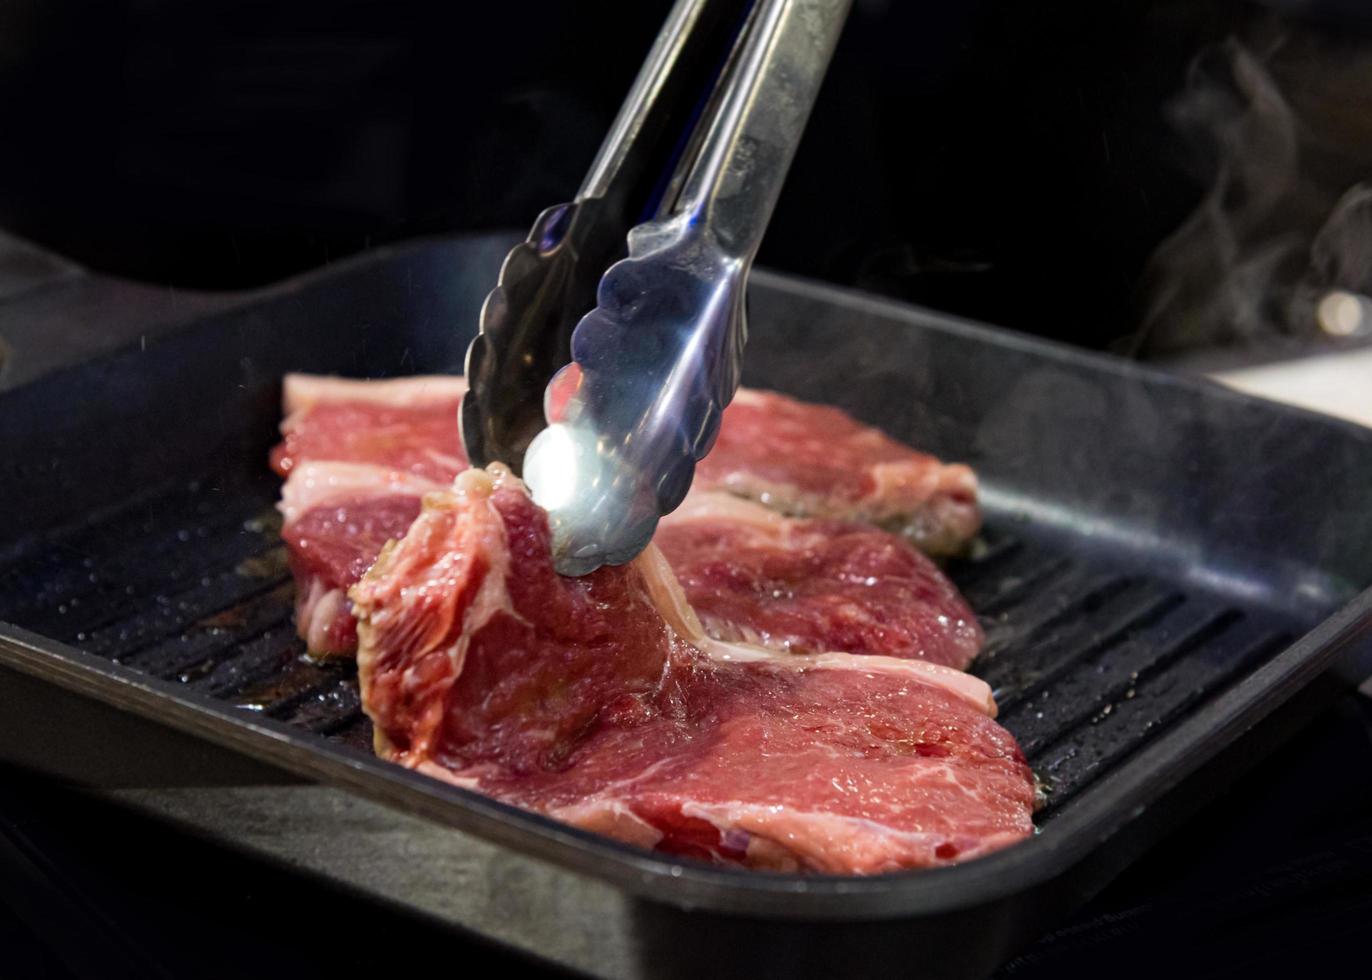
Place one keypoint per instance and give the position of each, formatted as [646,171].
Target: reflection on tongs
[686,180]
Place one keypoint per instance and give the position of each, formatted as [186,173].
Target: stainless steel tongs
[632,393]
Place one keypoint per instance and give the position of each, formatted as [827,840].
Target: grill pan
[1171,578]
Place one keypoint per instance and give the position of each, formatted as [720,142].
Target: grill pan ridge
[1086,661]
[1164,564]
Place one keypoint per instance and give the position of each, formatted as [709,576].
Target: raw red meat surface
[799,585]
[809,586]
[357,457]
[601,702]
[407,424]
[817,461]
[338,516]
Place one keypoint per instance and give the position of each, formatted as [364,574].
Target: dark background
[1013,162]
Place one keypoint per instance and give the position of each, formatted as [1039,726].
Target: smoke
[1284,221]
[1341,255]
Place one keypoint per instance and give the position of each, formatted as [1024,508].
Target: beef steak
[600,701]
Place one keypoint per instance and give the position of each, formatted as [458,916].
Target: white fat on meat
[319,484]
[300,392]
[671,604]
[317,611]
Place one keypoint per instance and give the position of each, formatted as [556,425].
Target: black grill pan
[1171,577]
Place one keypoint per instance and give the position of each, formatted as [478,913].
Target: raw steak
[792,584]
[599,701]
[817,461]
[407,424]
[357,457]
[810,586]
[337,518]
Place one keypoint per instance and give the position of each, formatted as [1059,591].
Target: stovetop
[1275,878]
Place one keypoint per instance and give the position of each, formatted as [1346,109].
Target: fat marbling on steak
[359,455]
[818,461]
[601,702]
[810,586]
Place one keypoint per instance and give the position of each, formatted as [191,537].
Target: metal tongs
[687,179]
